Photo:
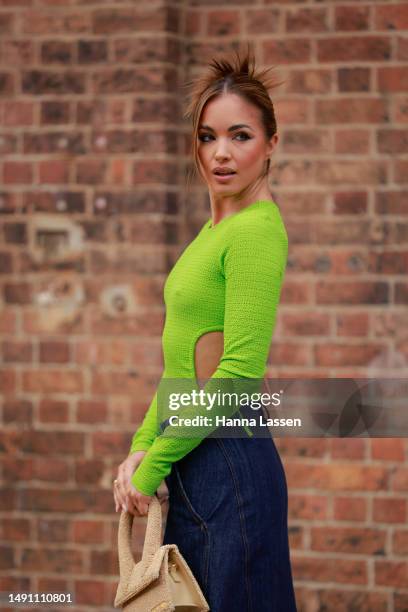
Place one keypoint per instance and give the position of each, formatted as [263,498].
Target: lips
[223,170]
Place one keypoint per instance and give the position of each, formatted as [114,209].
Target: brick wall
[94,211]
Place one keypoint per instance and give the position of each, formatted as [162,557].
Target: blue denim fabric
[228,508]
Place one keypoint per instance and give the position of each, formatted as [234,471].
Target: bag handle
[152,541]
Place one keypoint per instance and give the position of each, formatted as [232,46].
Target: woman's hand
[126,495]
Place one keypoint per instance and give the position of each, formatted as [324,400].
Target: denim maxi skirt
[228,515]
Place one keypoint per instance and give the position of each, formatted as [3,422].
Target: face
[231,135]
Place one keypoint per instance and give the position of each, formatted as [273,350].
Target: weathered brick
[306,20]
[17,172]
[223,22]
[54,171]
[18,113]
[351,18]
[350,508]
[350,540]
[353,79]
[356,49]
[92,51]
[287,51]
[55,112]
[57,51]
[93,141]
[38,82]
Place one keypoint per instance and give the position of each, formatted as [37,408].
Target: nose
[222,150]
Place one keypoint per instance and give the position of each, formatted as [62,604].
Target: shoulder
[257,227]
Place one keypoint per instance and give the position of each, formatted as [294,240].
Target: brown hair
[236,75]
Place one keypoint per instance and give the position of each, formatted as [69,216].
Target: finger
[120,494]
[130,504]
[143,508]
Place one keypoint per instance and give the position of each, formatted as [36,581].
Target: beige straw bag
[162,580]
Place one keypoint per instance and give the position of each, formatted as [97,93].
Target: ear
[272,143]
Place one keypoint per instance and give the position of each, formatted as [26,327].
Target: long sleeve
[147,432]
[253,262]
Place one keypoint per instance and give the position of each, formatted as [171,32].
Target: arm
[253,265]
[145,435]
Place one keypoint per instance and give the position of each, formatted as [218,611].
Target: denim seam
[195,514]
[201,522]
[242,520]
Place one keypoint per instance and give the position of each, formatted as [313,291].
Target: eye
[208,137]
[203,136]
[247,137]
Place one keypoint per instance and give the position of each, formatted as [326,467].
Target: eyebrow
[230,129]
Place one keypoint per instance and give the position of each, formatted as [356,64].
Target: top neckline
[249,206]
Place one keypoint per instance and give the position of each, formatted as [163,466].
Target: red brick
[361,600]
[335,354]
[309,507]
[391,573]
[54,171]
[90,472]
[337,476]
[351,110]
[352,141]
[17,173]
[53,411]
[350,508]
[15,529]
[17,351]
[348,448]
[17,52]
[402,51]
[388,449]
[88,531]
[286,51]
[326,569]
[355,324]
[393,141]
[90,592]
[257,21]
[390,17]
[353,79]
[389,510]
[306,20]
[357,292]
[52,560]
[91,412]
[400,542]
[350,540]
[312,81]
[52,380]
[91,171]
[351,18]
[390,262]
[356,49]
[305,324]
[401,171]
[18,113]
[392,79]
[225,23]
[43,22]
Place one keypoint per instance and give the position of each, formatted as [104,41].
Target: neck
[224,206]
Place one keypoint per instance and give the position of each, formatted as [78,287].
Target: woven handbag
[161,580]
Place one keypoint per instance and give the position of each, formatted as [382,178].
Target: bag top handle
[152,541]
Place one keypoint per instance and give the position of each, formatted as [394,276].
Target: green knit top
[227,279]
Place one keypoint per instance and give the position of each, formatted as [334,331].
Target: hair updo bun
[236,74]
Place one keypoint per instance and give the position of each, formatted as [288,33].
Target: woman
[227,495]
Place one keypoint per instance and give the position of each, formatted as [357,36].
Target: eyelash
[247,137]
